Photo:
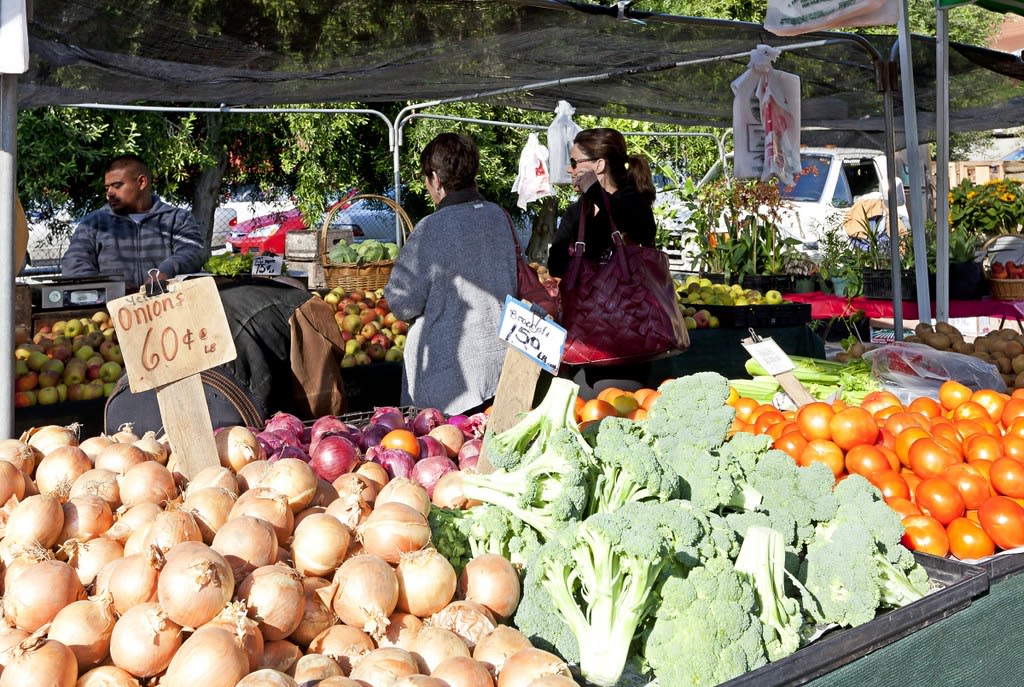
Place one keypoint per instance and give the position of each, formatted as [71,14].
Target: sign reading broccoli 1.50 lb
[172,335]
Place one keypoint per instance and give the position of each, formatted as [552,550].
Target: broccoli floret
[691,414]
[461,535]
[599,576]
[714,479]
[706,629]
[854,564]
[762,559]
[627,468]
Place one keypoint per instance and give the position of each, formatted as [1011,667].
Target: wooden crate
[23,306]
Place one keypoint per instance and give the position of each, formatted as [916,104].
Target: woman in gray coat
[450,280]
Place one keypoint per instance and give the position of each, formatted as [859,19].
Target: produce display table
[976,646]
[824,306]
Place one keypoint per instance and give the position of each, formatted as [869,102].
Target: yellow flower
[971,194]
[1008,197]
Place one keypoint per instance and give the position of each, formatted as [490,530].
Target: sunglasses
[573,162]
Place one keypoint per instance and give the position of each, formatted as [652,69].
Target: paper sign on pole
[774,360]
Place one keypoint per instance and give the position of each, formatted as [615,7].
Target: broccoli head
[762,559]
[706,629]
[691,414]
[627,468]
[715,479]
[461,535]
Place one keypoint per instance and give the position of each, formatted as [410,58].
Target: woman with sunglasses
[600,165]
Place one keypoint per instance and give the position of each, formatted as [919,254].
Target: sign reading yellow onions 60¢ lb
[172,335]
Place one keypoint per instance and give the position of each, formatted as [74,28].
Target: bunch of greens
[229,264]
[364,252]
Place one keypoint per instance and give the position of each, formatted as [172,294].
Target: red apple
[380,340]
[27,382]
[49,378]
[24,399]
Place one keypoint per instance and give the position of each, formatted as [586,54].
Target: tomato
[814,419]
[597,409]
[1016,428]
[766,420]
[992,401]
[885,413]
[608,393]
[900,422]
[982,466]
[886,438]
[579,406]
[953,393]
[902,506]
[905,440]
[823,451]
[967,428]
[649,400]
[925,534]
[1017,393]
[973,486]
[1007,477]
[928,459]
[970,410]
[779,428]
[946,430]
[926,406]
[890,455]
[852,427]
[1013,447]
[624,404]
[952,446]
[911,479]
[744,407]
[968,540]
[641,414]
[864,460]
[890,483]
[731,399]
[940,499]
[791,443]
[402,439]
[877,400]
[982,447]
[1003,520]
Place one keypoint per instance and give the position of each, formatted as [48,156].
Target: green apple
[773,297]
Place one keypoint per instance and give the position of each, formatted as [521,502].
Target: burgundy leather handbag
[620,310]
[541,293]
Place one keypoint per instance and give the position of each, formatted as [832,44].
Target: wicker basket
[349,275]
[1003,289]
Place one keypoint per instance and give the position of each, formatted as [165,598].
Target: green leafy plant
[996,207]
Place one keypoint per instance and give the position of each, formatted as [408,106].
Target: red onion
[327,423]
[427,471]
[469,454]
[271,441]
[429,446]
[287,451]
[372,436]
[397,462]
[460,421]
[426,420]
[285,422]
[390,417]
[333,456]
[476,426]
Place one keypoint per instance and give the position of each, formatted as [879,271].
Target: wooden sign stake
[514,396]
[185,415]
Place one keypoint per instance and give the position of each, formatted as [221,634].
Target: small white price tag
[267,265]
[535,336]
[768,354]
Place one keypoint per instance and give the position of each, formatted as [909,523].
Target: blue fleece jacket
[166,238]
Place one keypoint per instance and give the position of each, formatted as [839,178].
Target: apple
[352,309]
[389,319]
[20,368]
[27,382]
[112,353]
[690,322]
[21,334]
[36,360]
[352,324]
[362,358]
[348,361]
[381,340]
[74,328]
[713,322]
[393,355]
[59,351]
[62,390]
[110,371]
[93,390]
[400,340]
[376,351]
[49,378]
[352,347]
[381,311]
[368,316]
[84,352]
[74,372]
[356,295]
[772,297]
[100,317]
[109,333]
[400,327]
[332,298]
[47,396]
[92,367]
[108,388]
[24,399]
[702,317]
[76,391]
[369,329]
[94,338]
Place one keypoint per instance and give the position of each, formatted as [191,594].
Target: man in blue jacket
[135,232]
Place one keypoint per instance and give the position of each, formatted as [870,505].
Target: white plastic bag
[560,137]
[766,119]
[910,370]
[793,17]
[533,181]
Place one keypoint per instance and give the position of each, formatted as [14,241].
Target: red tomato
[1007,477]
[744,407]
[878,400]
[1013,446]
[902,506]
[982,447]
[953,393]
[791,443]
[890,483]
[926,406]
[852,427]
[1003,520]
[906,439]
[970,410]
[992,401]
[939,499]
[973,486]
[823,451]
[865,459]
[927,458]
[925,534]
[813,420]
[901,422]
[968,540]
[1015,428]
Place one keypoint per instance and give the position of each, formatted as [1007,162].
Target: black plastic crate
[1001,565]
[745,316]
[958,585]
[878,284]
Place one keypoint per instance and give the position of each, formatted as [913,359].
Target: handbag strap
[581,245]
[515,238]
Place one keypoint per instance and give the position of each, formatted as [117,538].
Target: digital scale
[64,293]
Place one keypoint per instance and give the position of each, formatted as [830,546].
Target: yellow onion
[312,668]
[85,627]
[426,582]
[273,595]
[195,584]
[344,643]
[48,437]
[337,681]
[10,637]
[133,580]
[251,474]
[213,476]
[491,580]
[402,630]
[131,520]
[494,648]
[210,506]
[40,661]
[393,529]
[246,543]
[281,655]
[59,468]
[171,528]
[237,446]
[34,595]
[119,458]
[12,482]
[364,593]
[20,455]
[36,520]
[471,621]
[153,446]
[325,493]
[404,490]
[147,482]
[98,482]
[265,677]
[319,545]
[463,671]
[211,657]
[432,645]
[383,666]
[144,640]
[107,676]
[125,434]
[235,620]
[527,665]
[85,517]
[268,505]
[413,681]
[88,558]
[316,616]
[292,478]
[93,445]
[354,504]
[375,472]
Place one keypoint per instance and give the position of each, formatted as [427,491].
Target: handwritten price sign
[170,336]
[537,337]
[267,265]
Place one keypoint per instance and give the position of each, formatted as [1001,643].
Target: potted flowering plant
[989,209]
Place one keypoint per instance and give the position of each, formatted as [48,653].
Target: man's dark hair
[454,157]
[131,162]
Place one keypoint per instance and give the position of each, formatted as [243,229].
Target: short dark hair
[130,162]
[454,157]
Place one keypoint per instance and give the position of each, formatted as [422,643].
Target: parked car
[243,204]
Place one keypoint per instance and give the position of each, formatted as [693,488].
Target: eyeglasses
[573,162]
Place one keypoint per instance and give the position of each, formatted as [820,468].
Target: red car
[266,234]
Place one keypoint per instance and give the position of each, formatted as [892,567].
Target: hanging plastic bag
[766,119]
[910,370]
[533,181]
[793,17]
[560,137]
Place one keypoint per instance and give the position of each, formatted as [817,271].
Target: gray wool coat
[450,279]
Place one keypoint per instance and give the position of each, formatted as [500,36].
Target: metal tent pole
[942,165]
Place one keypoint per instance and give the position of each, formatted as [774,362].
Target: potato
[842,357]
[1009,379]
[981,345]
[1004,364]
[947,329]
[913,339]
[857,349]
[997,345]
[1007,334]
[1018,364]
[1018,381]
[923,328]
[1013,349]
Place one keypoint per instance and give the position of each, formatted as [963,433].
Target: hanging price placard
[532,334]
[172,335]
[267,265]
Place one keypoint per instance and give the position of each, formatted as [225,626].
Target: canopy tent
[605,60]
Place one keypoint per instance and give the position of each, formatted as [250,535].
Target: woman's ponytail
[639,173]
